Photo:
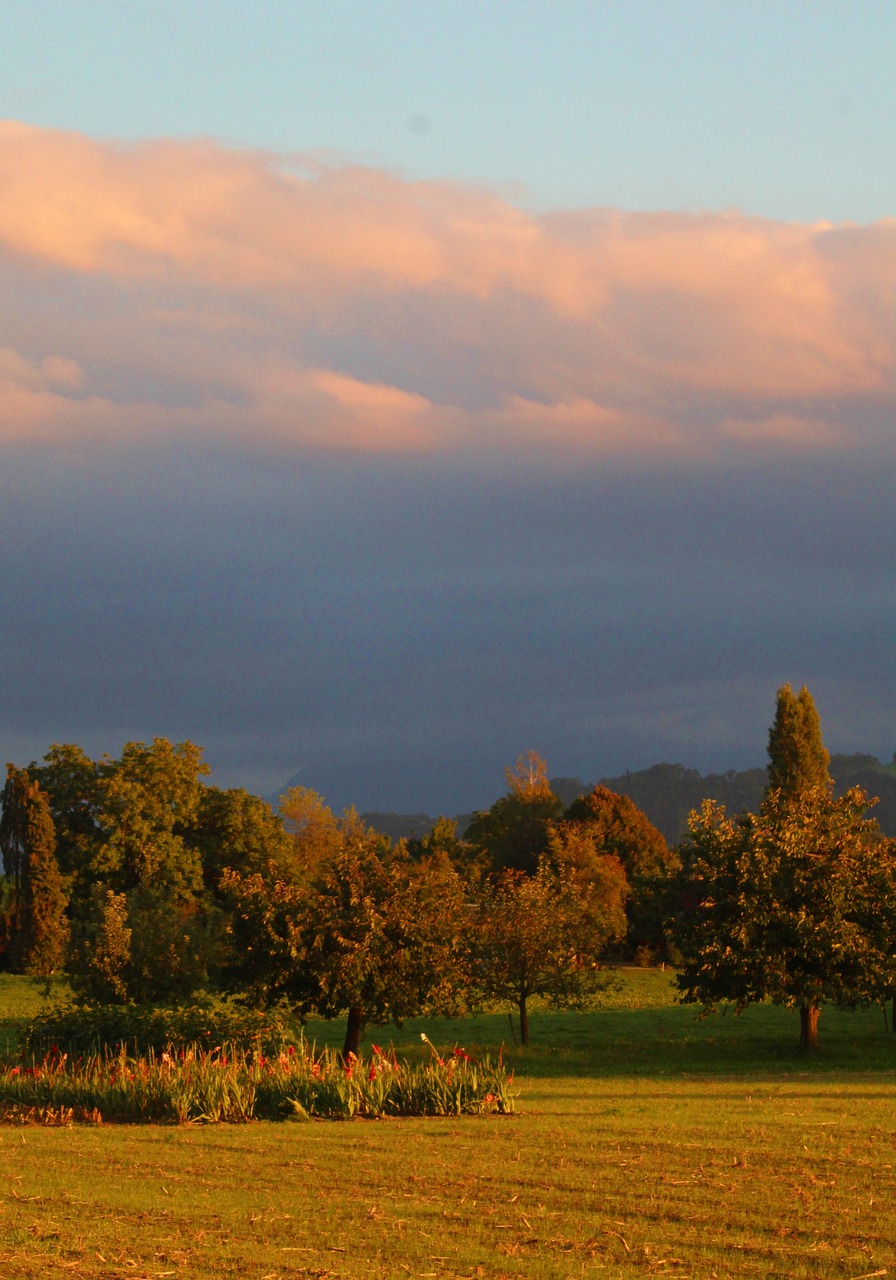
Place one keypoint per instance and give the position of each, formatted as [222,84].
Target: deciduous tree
[539,935]
[235,829]
[513,834]
[790,905]
[73,785]
[616,827]
[373,936]
[149,798]
[315,830]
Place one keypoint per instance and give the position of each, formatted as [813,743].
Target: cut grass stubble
[683,1164]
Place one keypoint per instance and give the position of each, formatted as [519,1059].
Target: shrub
[79,1030]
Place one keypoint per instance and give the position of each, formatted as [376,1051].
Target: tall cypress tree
[798,759]
[38,925]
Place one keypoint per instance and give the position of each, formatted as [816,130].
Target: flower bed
[230,1084]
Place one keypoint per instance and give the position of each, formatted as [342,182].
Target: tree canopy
[372,935]
[542,935]
[36,925]
[798,759]
[792,905]
[514,833]
[616,827]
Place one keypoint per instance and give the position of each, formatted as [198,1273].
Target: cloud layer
[185,291]
[387,481]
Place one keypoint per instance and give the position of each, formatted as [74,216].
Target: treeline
[145,885]
[668,793]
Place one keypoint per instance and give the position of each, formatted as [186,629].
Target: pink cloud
[182,288]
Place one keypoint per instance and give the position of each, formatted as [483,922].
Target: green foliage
[514,833]
[148,800]
[373,936]
[798,760]
[237,830]
[102,949]
[37,924]
[73,784]
[790,905]
[442,841]
[382,935]
[141,947]
[541,935]
[80,1030]
[138,841]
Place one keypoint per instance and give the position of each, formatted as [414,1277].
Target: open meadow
[645,1143]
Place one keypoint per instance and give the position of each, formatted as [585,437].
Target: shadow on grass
[640,1032]
[667,1042]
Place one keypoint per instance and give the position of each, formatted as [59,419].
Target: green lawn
[647,1143]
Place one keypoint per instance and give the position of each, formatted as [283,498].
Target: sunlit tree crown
[798,759]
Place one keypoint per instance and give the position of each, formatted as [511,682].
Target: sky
[389,389]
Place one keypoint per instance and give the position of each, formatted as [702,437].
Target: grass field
[647,1143]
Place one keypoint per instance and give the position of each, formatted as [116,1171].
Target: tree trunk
[524,1021]
[353,1032]
[809,1025]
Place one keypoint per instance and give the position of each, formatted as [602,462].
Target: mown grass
[647,1143]
[21,999]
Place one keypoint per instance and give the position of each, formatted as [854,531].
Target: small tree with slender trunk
[375,937]
[542,935]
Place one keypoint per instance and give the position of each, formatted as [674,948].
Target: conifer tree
[38,925]
[798,759]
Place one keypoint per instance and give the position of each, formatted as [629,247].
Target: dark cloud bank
[397,630]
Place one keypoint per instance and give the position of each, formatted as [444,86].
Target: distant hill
[399,826]
[410,826]
[668,792]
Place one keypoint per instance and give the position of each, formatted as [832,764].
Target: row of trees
[145,884]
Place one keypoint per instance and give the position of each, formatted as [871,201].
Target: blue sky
[386,390]
[786,110]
